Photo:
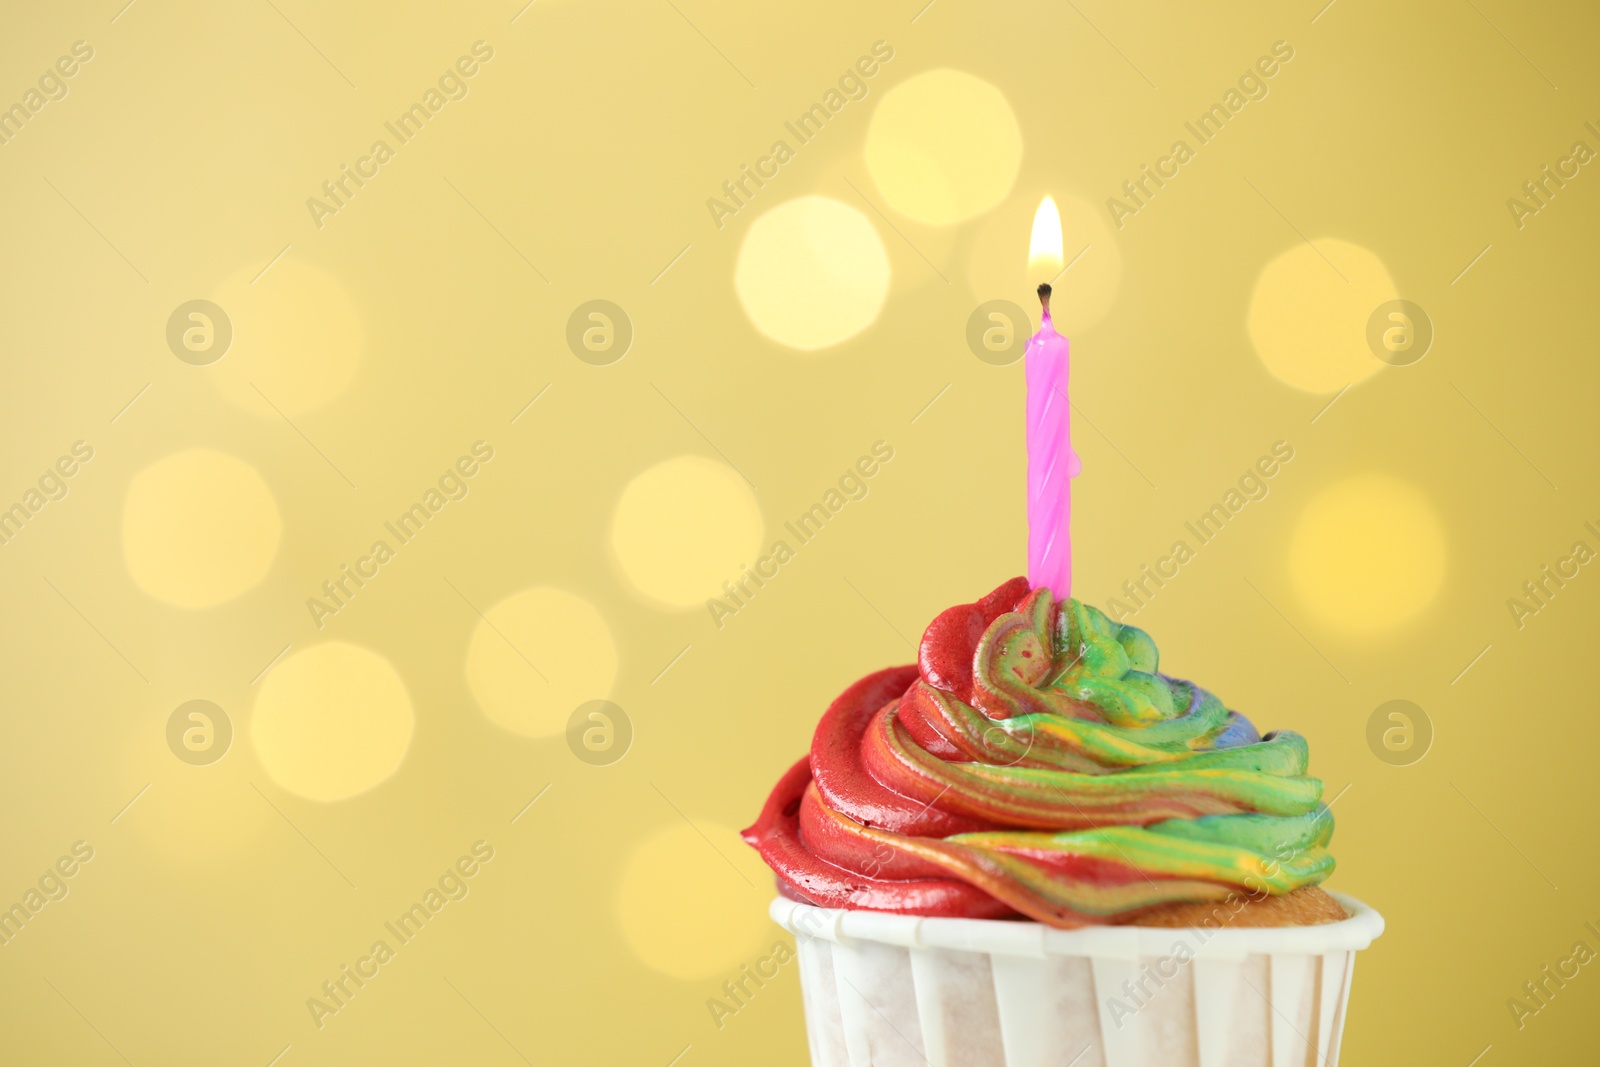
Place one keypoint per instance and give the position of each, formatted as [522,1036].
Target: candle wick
[1044,297]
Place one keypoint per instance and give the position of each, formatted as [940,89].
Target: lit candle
[1052,464]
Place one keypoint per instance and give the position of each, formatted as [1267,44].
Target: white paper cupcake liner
[890,990]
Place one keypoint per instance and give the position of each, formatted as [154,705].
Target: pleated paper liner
[889,990]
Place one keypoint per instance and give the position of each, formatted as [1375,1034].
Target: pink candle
[1052,464]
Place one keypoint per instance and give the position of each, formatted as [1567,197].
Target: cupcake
[1033,845]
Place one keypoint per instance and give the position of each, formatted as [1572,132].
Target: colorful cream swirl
[1036,762]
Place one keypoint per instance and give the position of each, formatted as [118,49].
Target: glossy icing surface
[1036,762]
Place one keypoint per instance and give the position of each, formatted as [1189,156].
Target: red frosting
[818,861]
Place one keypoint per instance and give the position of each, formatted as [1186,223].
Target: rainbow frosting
[1035,762]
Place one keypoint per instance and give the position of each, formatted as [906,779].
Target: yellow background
[430,311]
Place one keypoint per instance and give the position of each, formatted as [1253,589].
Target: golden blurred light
[1085,292]
[943,147]
[198,528]
[1308,314]
[812,273]
[1368,554]
[331,721]
[684,527]
[1044,246]
[535,656]
[685,912]
[297,339]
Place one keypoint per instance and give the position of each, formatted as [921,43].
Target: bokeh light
[297,338]
[812,273]
[535,656]
[943,147]
[1308,314]
[1368,554]
[686,911]
[684,527]
[198,528]
[331,721]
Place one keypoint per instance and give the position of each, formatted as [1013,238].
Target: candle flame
[1044,248]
